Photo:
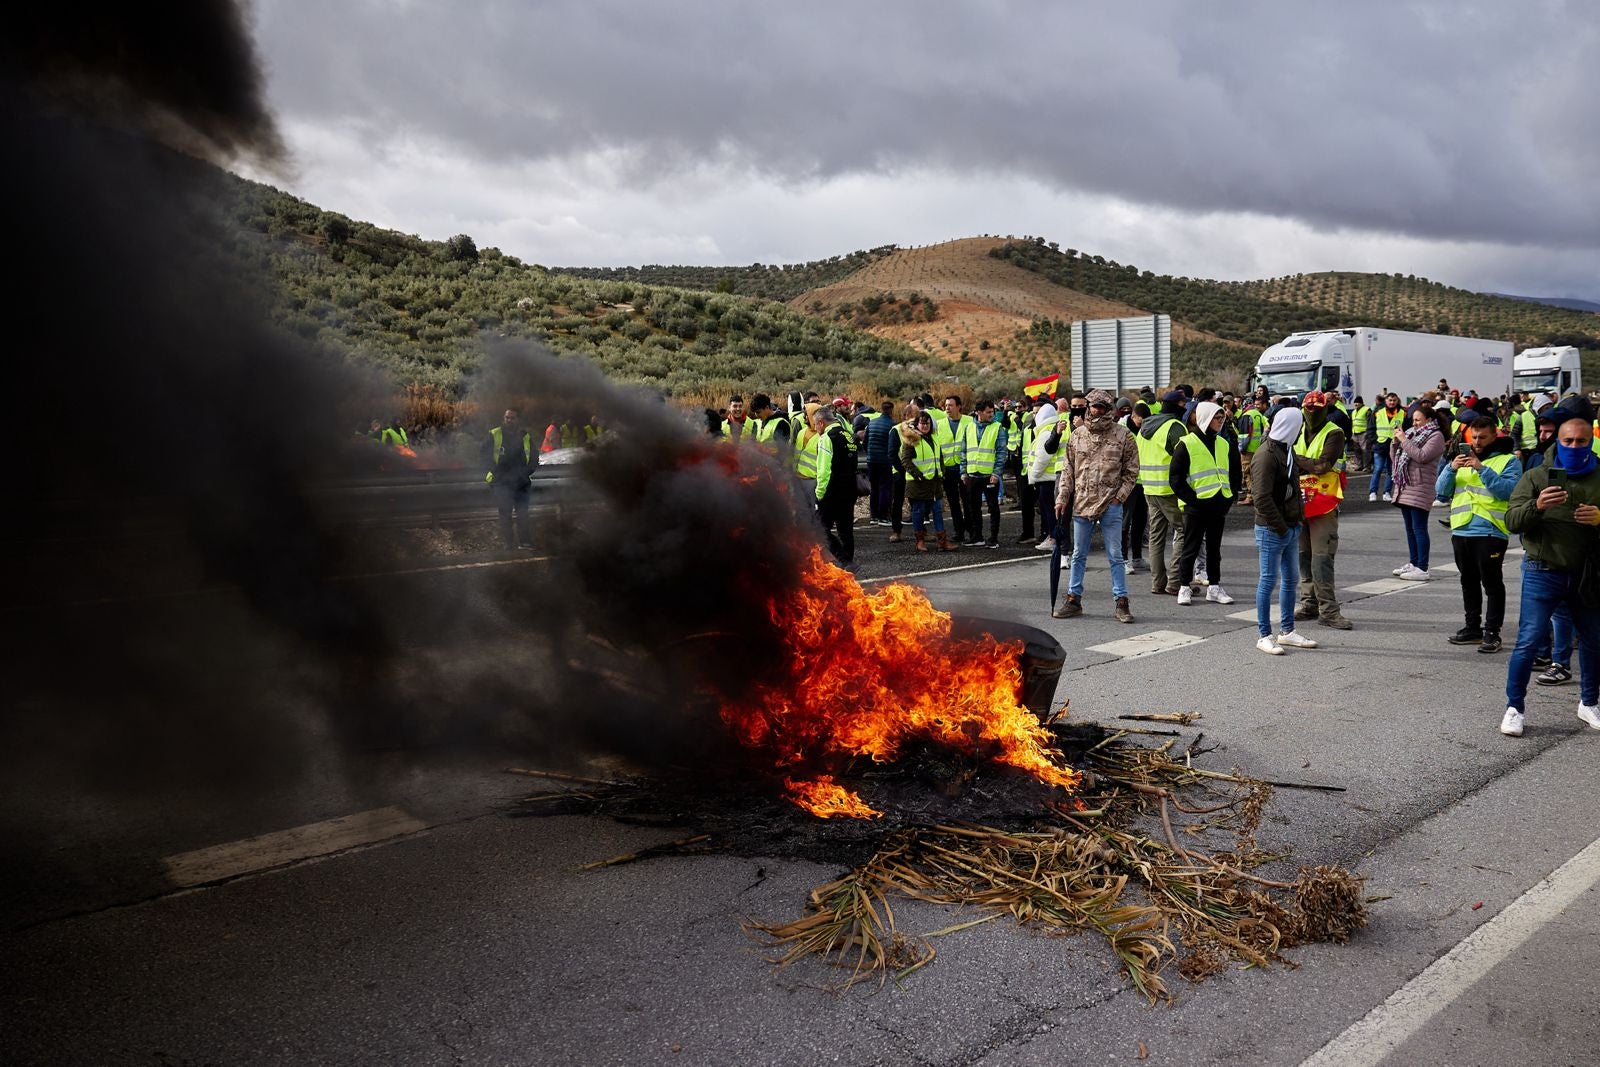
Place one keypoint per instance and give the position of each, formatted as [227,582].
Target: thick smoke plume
[186,620]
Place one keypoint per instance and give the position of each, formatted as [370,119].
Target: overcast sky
[1459,139]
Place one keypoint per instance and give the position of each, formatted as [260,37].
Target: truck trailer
[1361,360]
[1556,371]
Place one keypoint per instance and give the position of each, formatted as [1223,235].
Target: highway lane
[475,940]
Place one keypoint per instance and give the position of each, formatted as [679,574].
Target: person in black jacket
[1205,504]
[836,484]
[509,451]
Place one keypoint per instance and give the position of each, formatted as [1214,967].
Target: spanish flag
[1042,386]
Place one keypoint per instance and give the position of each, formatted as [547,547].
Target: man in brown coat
[1098,474]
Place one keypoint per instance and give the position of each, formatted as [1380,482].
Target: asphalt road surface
[413,922]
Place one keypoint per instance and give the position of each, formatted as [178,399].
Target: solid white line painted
[1382,585]
[1385,1028]
[1146,644]
[234,858]
[962,567]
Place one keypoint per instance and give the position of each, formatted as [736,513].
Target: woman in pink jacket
[1416,455]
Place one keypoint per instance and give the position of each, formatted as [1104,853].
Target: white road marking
[1146,644]
[1382,585]
[961,567]
[1443,568]
[1385,1028]
[220,862]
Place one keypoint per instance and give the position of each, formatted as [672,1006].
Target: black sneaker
[1491,641]
[991,543]
[1468,635]
[1555,674]
[1541,662]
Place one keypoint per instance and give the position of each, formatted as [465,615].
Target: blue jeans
[920,510]
[1111,532]
[1417,539]
[1280,566]
[1382,469]
[1556,643]
[1543,591]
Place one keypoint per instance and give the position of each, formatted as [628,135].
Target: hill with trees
[421,309]
[762,280]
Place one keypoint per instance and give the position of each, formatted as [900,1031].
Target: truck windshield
[1296,382]
[1536,382]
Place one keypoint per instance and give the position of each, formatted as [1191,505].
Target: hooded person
[1319,459]
[1043,470]
[1158,437]
[1205,476]
[1099,471]
[1275,497]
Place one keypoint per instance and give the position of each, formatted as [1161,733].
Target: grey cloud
[1450,120]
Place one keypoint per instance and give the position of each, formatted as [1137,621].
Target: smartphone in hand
[1558,478]
[1463,449]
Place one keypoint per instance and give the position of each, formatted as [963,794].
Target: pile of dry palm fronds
[1072,873]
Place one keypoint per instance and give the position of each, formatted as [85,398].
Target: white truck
[1361,360]
[1548,370]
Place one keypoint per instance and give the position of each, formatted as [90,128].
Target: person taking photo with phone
[1416,468]
[1556,509]
[1478,481]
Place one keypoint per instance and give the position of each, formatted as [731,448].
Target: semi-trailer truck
[1360,360]
[1548,370]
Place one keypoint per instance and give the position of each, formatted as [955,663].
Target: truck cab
[1323,361]
[1556,371]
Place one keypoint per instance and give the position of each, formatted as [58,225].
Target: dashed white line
[235,858]
[1147,644]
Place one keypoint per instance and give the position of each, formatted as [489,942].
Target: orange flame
[870,672]
[406,450]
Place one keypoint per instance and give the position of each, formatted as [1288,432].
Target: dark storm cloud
[1447,120]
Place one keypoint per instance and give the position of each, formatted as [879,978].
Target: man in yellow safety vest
[1319,457]
[1478,482]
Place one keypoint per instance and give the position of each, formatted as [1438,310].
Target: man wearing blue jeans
[1279,512]
[1386,421]
[1098,473]
[1556,508]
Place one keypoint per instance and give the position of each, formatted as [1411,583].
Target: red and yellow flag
[1042,386]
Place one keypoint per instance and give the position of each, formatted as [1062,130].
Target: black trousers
[1046,493]
[978,492]
[508,500]
[952,496]
[879,475]
[1480,559]
[837,512]
[1135,524]
[1202,525]
[897,506]
[1029,497]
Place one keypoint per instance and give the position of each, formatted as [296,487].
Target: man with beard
[1159,435]
[1319,457]
[1098,473]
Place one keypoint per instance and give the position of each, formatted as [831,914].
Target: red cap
[841,401]
[1314,397]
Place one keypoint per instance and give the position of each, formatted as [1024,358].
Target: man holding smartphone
[1556,509]
[1478,482]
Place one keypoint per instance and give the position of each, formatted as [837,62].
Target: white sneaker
[1441,503]
[1185,595]
[1201,577]
[1294,640]
[1415,575]
[1269,646]
[1589,714]
[1047,545]
[1218,595]
[1388,498]
[1372,498]
[1511,724]
[1404,568]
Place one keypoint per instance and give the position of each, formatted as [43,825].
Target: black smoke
[188,618]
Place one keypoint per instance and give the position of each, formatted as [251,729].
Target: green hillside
[419,309]
[763,280]
[1260,313]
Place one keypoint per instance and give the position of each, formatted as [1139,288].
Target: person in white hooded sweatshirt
[1206,478]
[1275,494]
[1048,452]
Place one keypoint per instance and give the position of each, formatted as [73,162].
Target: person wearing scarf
[1275,495]
[1205,476]
[1319,457]
[1416,468]
[1042,471]
[1098,474]
[1556,508]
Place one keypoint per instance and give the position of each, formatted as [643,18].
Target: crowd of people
[1156,477]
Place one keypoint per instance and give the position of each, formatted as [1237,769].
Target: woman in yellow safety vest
[919,457]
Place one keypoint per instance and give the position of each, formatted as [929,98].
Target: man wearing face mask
[1556,507]
[1101,467]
